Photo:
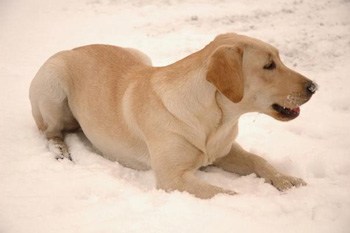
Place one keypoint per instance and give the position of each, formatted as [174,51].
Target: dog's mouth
[286,113]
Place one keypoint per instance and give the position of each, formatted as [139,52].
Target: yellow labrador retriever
[173,119]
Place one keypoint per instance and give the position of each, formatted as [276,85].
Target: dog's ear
[225,72]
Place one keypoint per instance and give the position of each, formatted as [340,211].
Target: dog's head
[250,72]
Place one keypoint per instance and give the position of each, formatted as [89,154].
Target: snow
[39,194]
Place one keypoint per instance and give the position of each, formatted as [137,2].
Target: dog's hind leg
[55,117]
[50,108]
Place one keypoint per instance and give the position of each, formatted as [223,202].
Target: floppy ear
[225,72]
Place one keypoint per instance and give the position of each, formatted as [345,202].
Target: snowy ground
[39,194]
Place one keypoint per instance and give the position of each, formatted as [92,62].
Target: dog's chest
[219,143]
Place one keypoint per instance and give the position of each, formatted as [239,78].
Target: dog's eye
[270,66]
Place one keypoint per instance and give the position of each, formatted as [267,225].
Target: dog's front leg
[244,163]
[174,161]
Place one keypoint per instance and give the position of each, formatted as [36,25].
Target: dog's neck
[190,90]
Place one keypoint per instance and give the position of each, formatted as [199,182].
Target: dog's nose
[311,88]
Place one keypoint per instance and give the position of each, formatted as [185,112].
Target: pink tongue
[297,110]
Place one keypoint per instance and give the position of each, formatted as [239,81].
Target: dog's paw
[283,182]
[229,192]
[63,156]
[60,150]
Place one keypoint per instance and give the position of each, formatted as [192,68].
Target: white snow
[39,194]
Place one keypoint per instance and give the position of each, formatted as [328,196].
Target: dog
[173,119]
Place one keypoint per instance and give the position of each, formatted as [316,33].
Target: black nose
[311,88]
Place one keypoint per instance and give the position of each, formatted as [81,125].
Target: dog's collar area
[289,113]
